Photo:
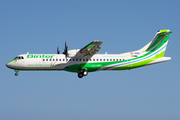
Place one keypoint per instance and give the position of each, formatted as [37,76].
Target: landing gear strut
[82,72]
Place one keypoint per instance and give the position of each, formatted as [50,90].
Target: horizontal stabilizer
[162,59]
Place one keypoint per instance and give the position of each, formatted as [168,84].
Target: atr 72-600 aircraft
[87,60]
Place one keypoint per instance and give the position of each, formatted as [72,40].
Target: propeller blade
[66,50]
[58,50]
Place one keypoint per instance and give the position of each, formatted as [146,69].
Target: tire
[80,75]
[85,73]
[16,74]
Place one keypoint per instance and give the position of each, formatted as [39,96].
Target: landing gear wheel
[16,74]
[85,73]
[80,75]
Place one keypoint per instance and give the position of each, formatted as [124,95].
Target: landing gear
[82,72]
[80,75]
[85,73]
[16,74]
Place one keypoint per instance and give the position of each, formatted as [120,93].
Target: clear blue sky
[147,93]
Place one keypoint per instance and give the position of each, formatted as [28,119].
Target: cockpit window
[16,58]
[19,57]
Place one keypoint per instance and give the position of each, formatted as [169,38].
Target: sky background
[147,93]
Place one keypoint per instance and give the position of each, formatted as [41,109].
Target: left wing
[92,48]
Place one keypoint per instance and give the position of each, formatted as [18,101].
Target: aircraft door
[129,61]
[53,61]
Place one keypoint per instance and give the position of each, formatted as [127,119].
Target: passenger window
[100,59]
[86,59]
[93,59]
[49,59]
[53,59]
[113,59]
[76,59]
[107,59]
[59,59]
[104,59]
[73,59]
[46,59]
[97,59]
[110,59]
[79,59]
[83,59]
[63,59]
[56,59]
[116,59]
[43,59]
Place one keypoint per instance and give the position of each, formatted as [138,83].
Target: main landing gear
[16,74]
[82,72]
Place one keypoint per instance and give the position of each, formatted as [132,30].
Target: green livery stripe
[159,38]
[165,31]
[157,56]
[141,63]
[13,60]
[90,46]
[138,61]
[148,53]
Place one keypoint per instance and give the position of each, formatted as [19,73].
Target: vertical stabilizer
[161,37]
[160,40]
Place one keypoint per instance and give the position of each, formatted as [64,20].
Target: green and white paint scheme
[87,60]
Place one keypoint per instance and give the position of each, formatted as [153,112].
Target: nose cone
[8,65]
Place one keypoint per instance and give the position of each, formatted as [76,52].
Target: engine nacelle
[74,53]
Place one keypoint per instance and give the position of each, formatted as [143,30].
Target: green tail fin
[161,37]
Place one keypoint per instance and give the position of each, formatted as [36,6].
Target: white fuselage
[59,61]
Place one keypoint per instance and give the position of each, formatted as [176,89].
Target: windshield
[19,57]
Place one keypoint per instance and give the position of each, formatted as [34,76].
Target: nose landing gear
[16,74]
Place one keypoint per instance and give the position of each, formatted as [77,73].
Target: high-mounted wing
[92,48]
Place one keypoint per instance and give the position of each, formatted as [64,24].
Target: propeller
[66,51]
[58,52]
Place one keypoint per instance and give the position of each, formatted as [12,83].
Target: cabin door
[53,61]
[129,61]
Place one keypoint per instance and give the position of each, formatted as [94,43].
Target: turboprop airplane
[85,60]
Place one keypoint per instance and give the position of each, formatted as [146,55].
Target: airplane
[85,60]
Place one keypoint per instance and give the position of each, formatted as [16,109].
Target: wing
[92,48]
